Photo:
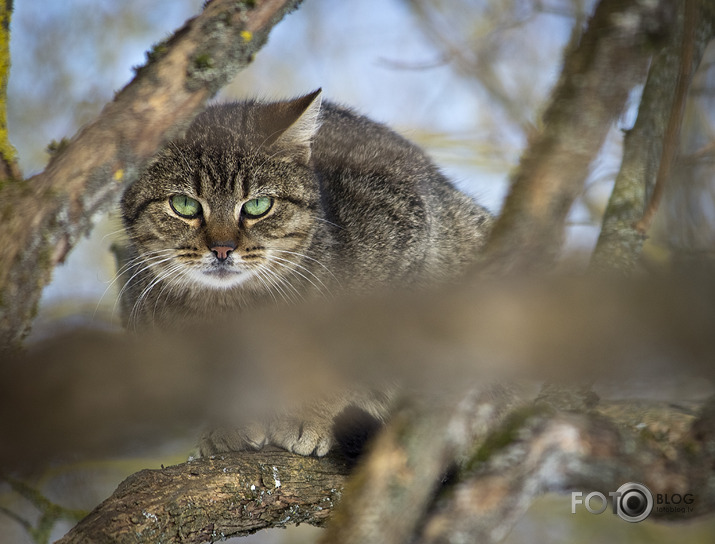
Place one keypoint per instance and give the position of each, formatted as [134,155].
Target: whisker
[158,278]
[268,284]
[118,231]
[174,274]
[143,258]
[328,222]
[280,282]
[285,263]
[149,263]
[304,256]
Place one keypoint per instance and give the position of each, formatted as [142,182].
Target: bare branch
[598,74]
[651,142]
[43,217]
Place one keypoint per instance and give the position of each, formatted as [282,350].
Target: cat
[265,203]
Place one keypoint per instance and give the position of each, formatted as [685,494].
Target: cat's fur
[354,207]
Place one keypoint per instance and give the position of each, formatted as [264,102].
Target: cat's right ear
[296,123]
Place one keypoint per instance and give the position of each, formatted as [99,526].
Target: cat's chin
[221,278]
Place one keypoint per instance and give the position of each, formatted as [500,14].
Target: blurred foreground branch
[91,392]
[43,217]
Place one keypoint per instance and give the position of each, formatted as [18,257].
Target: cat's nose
[222,250]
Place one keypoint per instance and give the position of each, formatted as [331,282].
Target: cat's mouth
[220,277]
[222,272]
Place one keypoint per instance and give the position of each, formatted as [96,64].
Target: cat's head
[234,200]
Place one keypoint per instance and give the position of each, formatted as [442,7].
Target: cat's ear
[296,122]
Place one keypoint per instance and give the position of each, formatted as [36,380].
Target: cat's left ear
[299,121]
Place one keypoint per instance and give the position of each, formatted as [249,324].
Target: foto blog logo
[632,502]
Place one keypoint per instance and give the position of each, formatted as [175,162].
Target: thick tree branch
[609,60]
[43,217]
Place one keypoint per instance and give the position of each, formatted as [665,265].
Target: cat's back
[348,141]
[386,189]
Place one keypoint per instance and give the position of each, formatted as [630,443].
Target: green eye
[257,207]
[185,206]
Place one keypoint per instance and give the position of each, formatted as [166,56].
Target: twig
[50,513]
[675,121]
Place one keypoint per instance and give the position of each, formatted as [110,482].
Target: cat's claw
[214,441]
[304,438]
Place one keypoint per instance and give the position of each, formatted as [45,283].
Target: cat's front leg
[303,436]
[347,419]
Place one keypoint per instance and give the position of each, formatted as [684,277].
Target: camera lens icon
[634,502]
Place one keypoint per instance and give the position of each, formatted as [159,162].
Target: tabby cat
[275,202]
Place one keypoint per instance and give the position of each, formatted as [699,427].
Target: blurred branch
[91,393]
[437,347]
[50,513]
[473,58]
[609,60]
[542,450]
[43,217]
[9,169]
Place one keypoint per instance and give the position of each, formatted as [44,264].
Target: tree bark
[43,217]
[210,499]
[9,170]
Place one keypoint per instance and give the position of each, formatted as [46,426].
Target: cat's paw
[303,437]
[222,440]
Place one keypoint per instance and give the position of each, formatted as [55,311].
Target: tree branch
[9,169]
[54,209]
[649,145]
[209,499]
[561,451]
[610,59]
[534,449]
